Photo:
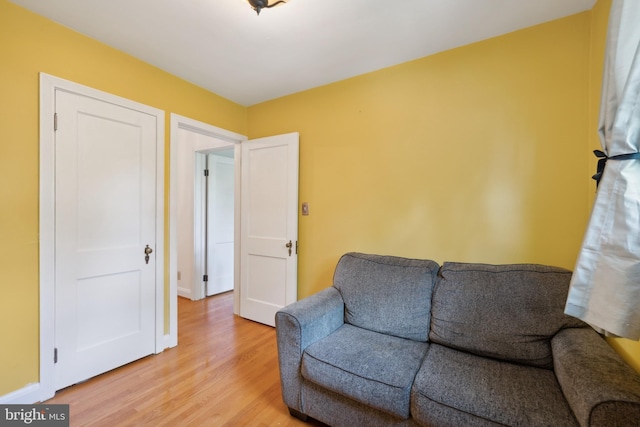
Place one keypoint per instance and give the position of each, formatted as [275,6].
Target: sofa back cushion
[508,312]
[386,294]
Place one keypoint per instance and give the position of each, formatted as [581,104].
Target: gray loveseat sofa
[404,342]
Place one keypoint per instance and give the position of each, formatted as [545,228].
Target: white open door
[269,226]
[105,232]
[219,224]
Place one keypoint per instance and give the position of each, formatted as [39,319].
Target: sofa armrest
[600,387]
[299,325]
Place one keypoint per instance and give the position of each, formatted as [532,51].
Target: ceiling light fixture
[258,5]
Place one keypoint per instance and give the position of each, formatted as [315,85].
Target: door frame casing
[48,86]
[180,122]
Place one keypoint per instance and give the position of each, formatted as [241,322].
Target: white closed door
[269,226]
[105,205]
[219,234]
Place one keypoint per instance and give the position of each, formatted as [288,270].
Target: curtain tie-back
[603,161]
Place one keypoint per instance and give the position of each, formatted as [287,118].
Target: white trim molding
[25,396]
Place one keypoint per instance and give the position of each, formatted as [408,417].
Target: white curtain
[605,287]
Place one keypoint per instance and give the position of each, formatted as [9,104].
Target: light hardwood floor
[224,372]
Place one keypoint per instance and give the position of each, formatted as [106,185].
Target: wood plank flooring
[224,372]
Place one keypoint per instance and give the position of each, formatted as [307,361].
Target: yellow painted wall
[30,44]
[476,154]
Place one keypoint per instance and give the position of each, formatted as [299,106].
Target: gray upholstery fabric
[509,312]
[486,391]
[385,294]
[424,409]
[601,388]
[297,326]
[338,411]
[379,370]
[366,366]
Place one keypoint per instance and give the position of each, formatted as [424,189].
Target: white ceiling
[223,46]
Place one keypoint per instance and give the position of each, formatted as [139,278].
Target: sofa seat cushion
[366,366]
[507,312]
[386,294]
[457,388]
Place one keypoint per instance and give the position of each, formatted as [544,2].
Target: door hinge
[296,247]
[55,355]
[205,278]
[55,122]
[206,172]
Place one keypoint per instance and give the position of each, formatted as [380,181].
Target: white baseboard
[184,292]
[27,395]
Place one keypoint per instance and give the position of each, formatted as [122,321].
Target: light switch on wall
[305,208]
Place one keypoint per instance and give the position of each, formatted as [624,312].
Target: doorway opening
[205,214]
[268,200]
[191,141]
